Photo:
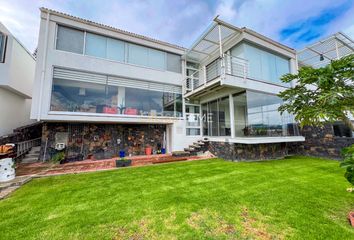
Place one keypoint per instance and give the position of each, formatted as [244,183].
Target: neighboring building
[17,67]
[101,90]
[327,141]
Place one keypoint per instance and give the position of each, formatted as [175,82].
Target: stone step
[29,159]
[194,146]
[18,181]
[6,192]
[32,155]
[180,153]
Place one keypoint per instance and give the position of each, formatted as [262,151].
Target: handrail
[220,67]
[23,147]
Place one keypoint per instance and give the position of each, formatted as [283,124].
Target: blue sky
[294,23]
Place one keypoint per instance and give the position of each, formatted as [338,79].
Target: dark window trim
[3,46]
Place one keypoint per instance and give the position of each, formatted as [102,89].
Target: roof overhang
[323,52]
[209,42]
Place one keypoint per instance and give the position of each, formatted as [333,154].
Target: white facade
[16,82]
[72,79]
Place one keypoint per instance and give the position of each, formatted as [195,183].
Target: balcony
[217,70]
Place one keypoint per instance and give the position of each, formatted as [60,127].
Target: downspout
[43,68]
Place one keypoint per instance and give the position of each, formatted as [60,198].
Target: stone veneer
[102,140]
[320,142]
[248,152]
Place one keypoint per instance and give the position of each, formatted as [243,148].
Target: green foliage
[323,94]
[58,157]
[348,163]
[296,198]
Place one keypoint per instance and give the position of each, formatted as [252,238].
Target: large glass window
[72,40]
[94,94]
[256,114]
[2,47]
[69,39]
[216,118]
[264,65]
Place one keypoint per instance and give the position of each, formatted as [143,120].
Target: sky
[295,23]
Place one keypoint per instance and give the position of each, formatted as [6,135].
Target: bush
[348,163]
[58,157]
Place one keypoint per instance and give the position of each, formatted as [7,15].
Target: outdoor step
[18,181]
[34,152]
[194,146]
[32,155]
[6,192]
[180,153]
[29,160]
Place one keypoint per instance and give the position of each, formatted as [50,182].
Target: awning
[321,53]
[209,42]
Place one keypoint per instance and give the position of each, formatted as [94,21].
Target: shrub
[348,163]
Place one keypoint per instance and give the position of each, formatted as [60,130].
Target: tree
[321,95]
[324,95]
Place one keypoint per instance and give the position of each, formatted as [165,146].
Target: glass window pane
[115,50]
[224,117]
[264,119]
[75,96]
[69,39]
[157,59]
[240,111]
[282,67]
[2,47]
[138,55]
[193,131]
[174,63]
[96,45]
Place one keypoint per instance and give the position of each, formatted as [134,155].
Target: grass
[295,198]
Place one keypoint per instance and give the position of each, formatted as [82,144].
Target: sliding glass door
[216,118]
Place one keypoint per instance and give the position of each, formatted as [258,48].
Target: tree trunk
[348,122]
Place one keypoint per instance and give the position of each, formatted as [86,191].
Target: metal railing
[236,66]
[228,64]
[23,147]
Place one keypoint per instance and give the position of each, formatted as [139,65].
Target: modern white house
[17,67]
[100,90]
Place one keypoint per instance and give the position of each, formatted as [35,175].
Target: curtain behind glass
[70,40]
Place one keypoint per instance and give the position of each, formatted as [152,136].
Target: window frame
[3,47]
[126,49]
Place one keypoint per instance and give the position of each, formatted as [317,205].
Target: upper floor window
[262,65]
[69,39]
[91,44]
[2,47]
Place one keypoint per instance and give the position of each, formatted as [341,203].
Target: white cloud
[178,22]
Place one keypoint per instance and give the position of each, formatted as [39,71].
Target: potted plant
[123,162]
[59,157]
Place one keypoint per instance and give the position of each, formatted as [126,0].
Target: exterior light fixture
[321,57]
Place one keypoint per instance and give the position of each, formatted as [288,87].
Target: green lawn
[296,198]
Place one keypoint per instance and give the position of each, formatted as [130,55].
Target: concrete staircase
[194,149]
[32,156]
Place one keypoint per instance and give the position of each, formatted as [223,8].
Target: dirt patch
[253,228]
[211,224]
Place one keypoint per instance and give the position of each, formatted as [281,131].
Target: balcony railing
[218,68]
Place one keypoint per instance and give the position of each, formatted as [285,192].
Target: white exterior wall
[48,58]
[16,81]
[15,111]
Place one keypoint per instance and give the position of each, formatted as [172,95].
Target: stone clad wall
[101,140]
[248,152]
[320,142]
